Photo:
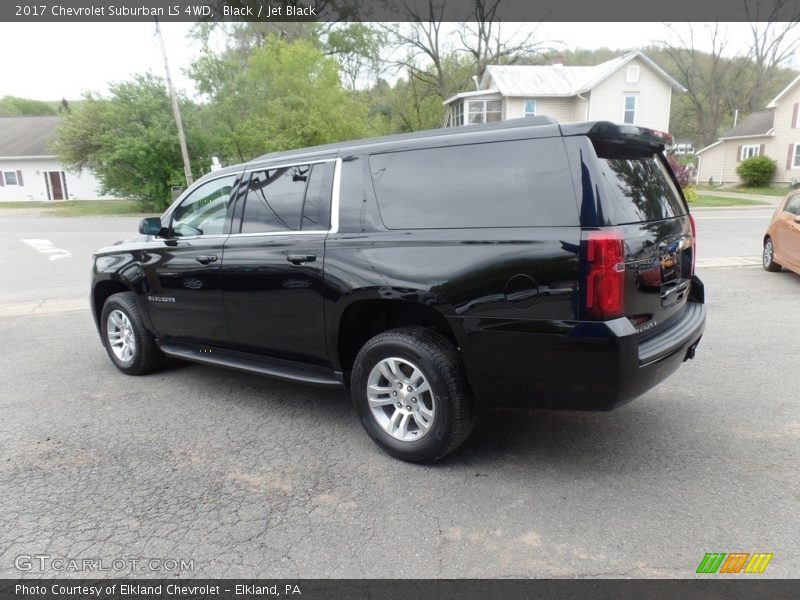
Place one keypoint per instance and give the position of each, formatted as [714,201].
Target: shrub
[756,171]
[684,173]
[690,193]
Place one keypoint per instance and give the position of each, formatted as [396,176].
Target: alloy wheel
[768,251]
[119,332]
[400,399]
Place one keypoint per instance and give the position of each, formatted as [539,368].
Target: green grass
[739,189]
[711,201]
[82,208]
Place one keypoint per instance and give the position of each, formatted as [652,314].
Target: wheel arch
[102,291]
[372,313]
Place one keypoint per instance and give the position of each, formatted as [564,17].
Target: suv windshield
[641,188]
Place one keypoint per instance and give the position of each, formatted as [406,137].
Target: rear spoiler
[620,133]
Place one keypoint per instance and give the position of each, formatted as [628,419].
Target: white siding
[785,134]
[561,109]
[654,97]
[80,186]
[720,162]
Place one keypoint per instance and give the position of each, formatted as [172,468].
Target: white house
[29,171]
[628,89]
[774,132]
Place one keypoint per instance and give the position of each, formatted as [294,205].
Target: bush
[756,171]
[690,193]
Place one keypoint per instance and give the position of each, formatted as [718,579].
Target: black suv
[525,262]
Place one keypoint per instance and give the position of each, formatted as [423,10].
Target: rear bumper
[586,366]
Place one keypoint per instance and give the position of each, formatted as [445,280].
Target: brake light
[694,240]
[605,274]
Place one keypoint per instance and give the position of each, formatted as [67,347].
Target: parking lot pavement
[247,476]
[731,237]
[45,261]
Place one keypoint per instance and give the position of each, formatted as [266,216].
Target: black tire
[768,257]
[146,356]
[440,365]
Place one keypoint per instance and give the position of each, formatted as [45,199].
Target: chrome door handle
[204,259]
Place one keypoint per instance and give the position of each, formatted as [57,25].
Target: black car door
[184,267]
[273,285]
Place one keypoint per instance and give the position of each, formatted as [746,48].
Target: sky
[55,60]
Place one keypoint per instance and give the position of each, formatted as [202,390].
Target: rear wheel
[768,259]
[411,395]
[129,344]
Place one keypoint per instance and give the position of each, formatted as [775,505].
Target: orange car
[782,240]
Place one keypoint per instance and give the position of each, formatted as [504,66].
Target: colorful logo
[734,562]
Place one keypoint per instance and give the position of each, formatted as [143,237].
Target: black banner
[391,589]
[396,10]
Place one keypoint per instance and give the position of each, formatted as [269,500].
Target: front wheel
[768,259]
[411,395]
[129,344]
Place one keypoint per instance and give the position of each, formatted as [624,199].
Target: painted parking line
[47,247]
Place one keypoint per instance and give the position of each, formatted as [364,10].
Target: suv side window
[521,183]
[793,205]
[203,211]
[317,205]
[287,199]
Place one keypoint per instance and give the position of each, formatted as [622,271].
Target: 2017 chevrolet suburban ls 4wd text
[520,263]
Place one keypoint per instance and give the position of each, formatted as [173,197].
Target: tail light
[694,240]
[605,274]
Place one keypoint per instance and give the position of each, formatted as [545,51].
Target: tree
[718,85]
[424,43]
[706,77]
[435,61]
[484,41]
[282,96]
[357,48]
[772,47]
[129,141]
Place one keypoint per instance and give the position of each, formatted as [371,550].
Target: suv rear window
[641,188]
[522,183]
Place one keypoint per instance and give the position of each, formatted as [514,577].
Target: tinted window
[275,199]
[793,205]
[317,206]
[641,190]
[521,183]
[203,211]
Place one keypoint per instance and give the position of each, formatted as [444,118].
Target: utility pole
[176,111]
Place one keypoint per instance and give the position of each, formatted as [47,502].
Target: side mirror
[797,219]
[150,226]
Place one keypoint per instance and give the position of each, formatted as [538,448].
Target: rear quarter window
[522,183]
[641,189]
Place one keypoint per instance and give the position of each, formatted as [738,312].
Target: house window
[749,151]
[629,110]
[529,108]
[457,115]
[633,74]
[485,111]
[796,157]
[10,177]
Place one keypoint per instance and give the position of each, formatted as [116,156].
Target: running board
[241,361]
